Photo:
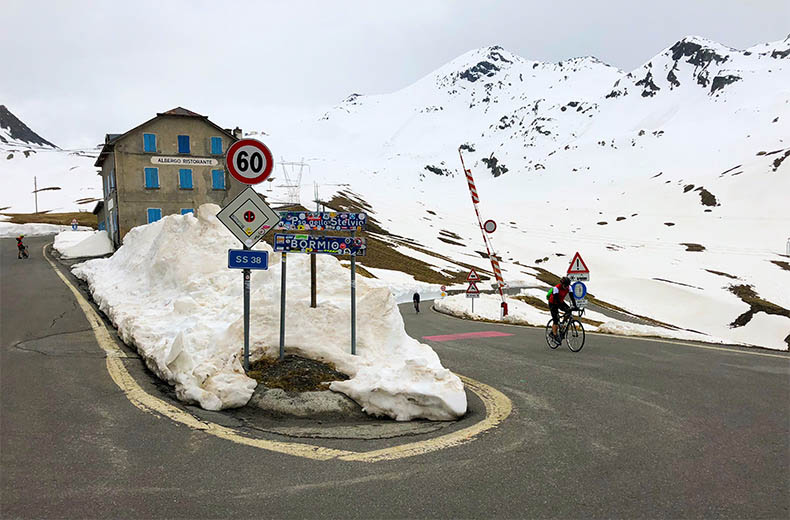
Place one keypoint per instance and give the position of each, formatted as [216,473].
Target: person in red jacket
[20,247]
[557,302]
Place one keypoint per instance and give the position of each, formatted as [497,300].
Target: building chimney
[237,133]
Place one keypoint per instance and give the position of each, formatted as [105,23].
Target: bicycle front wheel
[575,335]
[549,340]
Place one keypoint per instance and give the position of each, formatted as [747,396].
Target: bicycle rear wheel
[575,335]
[549,340]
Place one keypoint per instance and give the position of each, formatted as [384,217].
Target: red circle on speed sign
[249,161]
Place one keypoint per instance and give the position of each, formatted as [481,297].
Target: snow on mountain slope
[66,179]
[671,180]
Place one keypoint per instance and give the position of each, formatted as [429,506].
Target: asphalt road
[624,429]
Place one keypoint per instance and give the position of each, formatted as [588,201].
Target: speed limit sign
[249,161]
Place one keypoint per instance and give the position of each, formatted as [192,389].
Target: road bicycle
[569,329]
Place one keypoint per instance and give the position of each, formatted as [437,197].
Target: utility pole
[35,191]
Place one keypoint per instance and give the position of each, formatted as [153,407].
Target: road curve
[625,428]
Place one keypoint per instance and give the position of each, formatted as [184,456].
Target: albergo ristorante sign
[184,161]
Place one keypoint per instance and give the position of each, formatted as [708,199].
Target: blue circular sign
[579,290]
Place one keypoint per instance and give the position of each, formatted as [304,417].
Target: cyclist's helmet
[565,281]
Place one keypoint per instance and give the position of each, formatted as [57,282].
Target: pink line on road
[466,335]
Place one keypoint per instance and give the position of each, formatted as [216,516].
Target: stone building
[170,164]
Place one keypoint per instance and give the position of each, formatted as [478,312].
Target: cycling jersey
[559,293]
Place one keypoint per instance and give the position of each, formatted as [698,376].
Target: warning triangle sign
[577,265]
[473,276]
[472,289]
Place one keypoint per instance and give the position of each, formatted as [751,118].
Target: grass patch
[722,274]
[696,248]
[294,374]
[756,304]
[781,264]
[63,219]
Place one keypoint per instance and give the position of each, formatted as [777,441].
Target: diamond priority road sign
[248,217]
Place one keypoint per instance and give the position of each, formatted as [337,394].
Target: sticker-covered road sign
[316,244]
[249,161]
[248,217]
[244,259]
[322,220]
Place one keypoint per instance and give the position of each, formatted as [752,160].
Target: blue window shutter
[184,211]
[185,179]
[149,142]
[152,177]
[154,214]
[183,144]
[216,146]
[218,179]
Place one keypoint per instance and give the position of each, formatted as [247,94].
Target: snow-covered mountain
[14,131]
[66,179]
[671,180]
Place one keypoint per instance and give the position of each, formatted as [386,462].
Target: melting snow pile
[169,292]
[78,244]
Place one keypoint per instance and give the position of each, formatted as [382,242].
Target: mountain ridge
[12,129]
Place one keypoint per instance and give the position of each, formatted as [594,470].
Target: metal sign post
[248,217]
[353,305]
[282,305]
[353,246]
[246,317]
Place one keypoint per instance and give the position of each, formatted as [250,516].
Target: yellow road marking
[655,340]
[497,405]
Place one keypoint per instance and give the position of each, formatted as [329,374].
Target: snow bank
[487,307]
[169,292]
[78,244]
[9,230]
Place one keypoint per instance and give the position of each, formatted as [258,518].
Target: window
[154,214]
[185,179]
[216,146]
[112,179]
[184,211]
[152,177]
[183,144]
[217,179]
[149,142]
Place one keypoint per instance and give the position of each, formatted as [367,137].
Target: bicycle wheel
[549,340]
[575,335]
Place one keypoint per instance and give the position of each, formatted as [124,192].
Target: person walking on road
[21,248]
[416,299]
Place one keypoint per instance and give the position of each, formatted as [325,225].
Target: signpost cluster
[579,273]
[249,218]
[352,246]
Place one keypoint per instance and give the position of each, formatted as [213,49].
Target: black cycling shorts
[556,308]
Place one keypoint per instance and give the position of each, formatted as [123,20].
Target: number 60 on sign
[249,161]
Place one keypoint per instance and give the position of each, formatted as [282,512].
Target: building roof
[111,139]
[180,111]
[98,208]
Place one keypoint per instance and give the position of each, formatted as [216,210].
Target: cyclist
[557,302]
[416,300]
[21,248]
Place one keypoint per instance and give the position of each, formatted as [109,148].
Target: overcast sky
[75,70]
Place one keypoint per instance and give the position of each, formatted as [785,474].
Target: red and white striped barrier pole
[489,247]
